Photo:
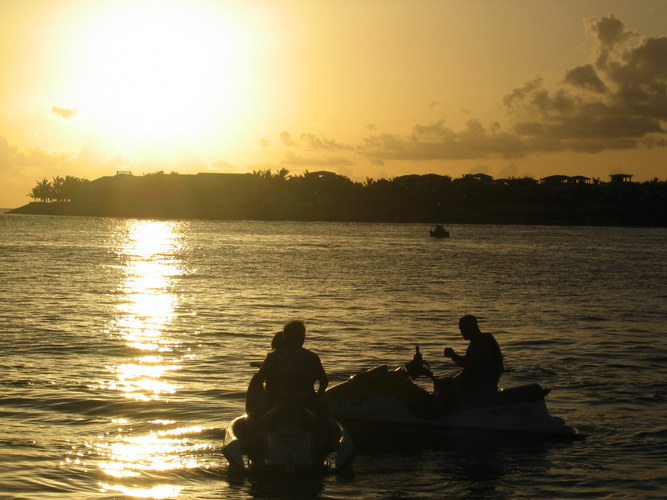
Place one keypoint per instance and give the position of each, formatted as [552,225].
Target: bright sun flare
[157,74]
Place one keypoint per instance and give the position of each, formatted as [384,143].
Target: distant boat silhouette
[439,231]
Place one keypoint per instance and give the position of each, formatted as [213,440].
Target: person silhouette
[482,364]
[289,372]
[277,340]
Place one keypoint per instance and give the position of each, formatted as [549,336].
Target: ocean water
[126,348]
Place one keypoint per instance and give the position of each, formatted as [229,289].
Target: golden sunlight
[155,451]
[156,74]
[156,492]
[147,307]
[148,252]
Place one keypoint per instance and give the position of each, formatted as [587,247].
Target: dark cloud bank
[617,101]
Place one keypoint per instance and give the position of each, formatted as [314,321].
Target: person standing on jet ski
[482,364]
[289,373]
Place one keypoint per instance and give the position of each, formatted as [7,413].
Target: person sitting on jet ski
[289,372]
[482,364]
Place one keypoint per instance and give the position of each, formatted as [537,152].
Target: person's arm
[258,379]
[477,363]
[255,393]
[320,375]
[256,382]
[456,358]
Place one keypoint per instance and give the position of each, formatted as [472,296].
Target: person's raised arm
[456,358]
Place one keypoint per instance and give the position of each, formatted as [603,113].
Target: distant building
[620,178]
[123,172]
[578,179]
[554,179]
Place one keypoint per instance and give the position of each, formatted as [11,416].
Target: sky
[363,88]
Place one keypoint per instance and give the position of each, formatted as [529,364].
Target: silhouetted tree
[72,186]
[329,196]
[57,188]
[42,191]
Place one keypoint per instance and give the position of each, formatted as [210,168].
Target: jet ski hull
[390,398]
[290,445]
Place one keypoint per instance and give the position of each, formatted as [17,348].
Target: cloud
[617,101]
[64,113]
[436,141]
[286,137]
[609,33]
[36,158]
[292,159]
[585,77]
[7,154]
[313,142]
[319,143]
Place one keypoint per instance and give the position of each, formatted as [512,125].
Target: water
[126,349]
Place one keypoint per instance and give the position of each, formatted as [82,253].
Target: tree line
[268,195]
[59,189]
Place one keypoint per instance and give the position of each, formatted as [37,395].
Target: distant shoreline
[328,197]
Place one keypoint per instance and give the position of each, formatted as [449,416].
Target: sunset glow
[362,89]
[156,74]
[146,247]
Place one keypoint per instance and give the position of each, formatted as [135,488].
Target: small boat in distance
[439,231]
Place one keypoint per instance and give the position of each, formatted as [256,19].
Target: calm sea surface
[126,347]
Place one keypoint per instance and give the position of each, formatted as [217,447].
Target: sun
[162,73]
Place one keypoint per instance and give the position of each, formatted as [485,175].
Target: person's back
[290,371]
[484,364]
[292,374]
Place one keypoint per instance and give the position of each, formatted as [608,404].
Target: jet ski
[288,438]
[383,397]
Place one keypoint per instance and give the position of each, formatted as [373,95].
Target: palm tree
[57,188]
[71,186]
[43,191]
[282,174]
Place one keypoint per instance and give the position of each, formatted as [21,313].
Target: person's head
[294,333]
[278,340]
[468,326]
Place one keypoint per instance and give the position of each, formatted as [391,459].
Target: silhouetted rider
[482,363]
[289,373]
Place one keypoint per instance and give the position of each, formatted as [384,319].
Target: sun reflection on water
[149,250]
[156,451]
[148,303]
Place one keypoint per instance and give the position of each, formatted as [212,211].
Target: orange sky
[364,88]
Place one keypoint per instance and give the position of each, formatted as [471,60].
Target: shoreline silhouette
[325,196]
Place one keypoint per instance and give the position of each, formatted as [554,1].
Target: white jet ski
[383,397]
[288,438]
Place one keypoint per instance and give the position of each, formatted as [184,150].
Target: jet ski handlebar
[419,366]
